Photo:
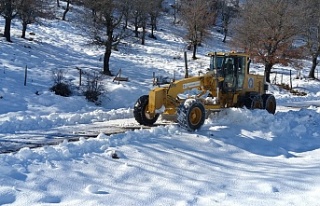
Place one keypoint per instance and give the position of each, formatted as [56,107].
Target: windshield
[216,62]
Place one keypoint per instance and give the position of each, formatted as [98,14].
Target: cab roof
[232,53]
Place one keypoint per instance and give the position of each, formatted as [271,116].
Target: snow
[238,157]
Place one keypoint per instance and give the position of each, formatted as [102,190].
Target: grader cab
[227,83]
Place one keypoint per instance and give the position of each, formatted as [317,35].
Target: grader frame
[227,83]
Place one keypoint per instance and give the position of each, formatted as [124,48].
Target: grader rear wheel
[140,112]
[253,102]
[269,103]
[191,115]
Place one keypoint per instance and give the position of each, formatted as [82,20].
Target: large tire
[253,102]
[269,103]
[191,115]
[140,114]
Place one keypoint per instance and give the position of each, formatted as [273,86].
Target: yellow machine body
[215,82]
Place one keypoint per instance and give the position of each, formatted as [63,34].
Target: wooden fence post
[80,76]
[25,75]
[186,65]
[290,81]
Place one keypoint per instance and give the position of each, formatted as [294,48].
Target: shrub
[92,96]
[59,87]
[93,88]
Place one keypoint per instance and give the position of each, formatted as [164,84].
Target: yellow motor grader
[227,83]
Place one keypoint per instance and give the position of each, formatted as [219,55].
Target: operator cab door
[241,69]
[233,73]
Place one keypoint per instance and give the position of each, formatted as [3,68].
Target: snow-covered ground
[239,157]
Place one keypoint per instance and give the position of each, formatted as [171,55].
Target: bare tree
[139,14]
[8,9]
[176,9]
[136,21]
[28,11]
[58,3]
[311,26]
[267,30]
[197,18]
[154,13]
[126,9]
[228,10]
[144,9]
[108,14]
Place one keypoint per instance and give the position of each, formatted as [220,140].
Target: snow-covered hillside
[239,157]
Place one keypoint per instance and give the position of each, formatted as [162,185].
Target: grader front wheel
[140,112]
[191,115]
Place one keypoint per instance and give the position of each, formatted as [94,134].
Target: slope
[239,157]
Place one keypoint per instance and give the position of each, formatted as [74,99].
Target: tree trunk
[225,32]
[313,66]
[107,54]
[136,27]
[58,3]
[143,38]
[154,22]
[126,22]
[194,51]
[106,59]
[66,11]
[152,32]
[24,29]
[153,27]
[267,70]
[7,28]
